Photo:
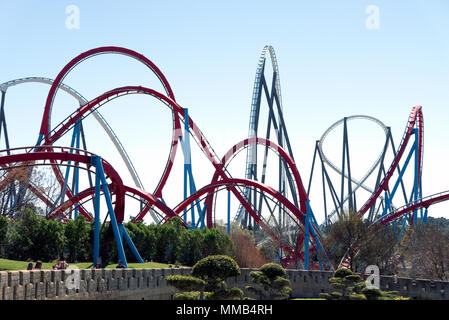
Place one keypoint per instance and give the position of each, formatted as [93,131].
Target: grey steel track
[97,115]
[358,183]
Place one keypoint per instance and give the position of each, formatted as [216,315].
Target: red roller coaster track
[415,119]
[59,156]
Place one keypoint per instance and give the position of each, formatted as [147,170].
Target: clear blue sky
[331,66]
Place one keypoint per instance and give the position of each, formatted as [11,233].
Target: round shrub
[342,272]
[216,268]
[191,295]
[272,270]
[352,278]
[372,294]
[356,296]
[185,283]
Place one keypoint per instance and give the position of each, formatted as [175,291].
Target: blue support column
[96,252]
[76,170]
[107,195]
[39,140]
[389,199]
[311,231]
[126,236]
[61,196]
[306,241]
[185,142]
[404,223]
[189,182]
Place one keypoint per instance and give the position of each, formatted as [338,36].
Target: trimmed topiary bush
[272,270]
[356,296]
[185,283]
[269,282]
[342,272]
[192,295]
[215,269]
[348,286]
[372,294]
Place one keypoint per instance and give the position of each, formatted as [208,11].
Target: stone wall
[304,284]
[95,284]
[417,288]
[150,284]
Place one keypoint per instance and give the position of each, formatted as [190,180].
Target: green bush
[342,272]
[353,278]
[209,274]
[191,295]
[371,293]
[357,296]
[272,270]
[215,269]
[185,283]
[336,295]
[348,286]
[269,283]
[224,293]
[326,296]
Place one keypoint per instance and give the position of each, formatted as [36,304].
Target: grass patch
[10,265]
[6,264]
[146,265]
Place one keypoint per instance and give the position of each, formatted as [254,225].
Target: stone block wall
[416,288]
[150,284]
[95,284]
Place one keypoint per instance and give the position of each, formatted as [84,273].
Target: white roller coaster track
[251,152]
[358,183]
[97,115]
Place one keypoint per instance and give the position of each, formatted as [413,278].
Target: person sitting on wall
[120,265]
[38,265]
[62,265]
[30,266]
[98,263]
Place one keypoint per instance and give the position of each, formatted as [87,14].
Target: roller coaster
[283,214]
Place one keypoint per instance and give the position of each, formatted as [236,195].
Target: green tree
[33,237]
[108,250]
[270,282]
[214,270]
[425,247]
[216,242]
[143,238]
[377,247]
[355,239]
[23,237]
[190,248]
[345,235]
[51,240]
[77,233]
[3,235]
[168,239]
